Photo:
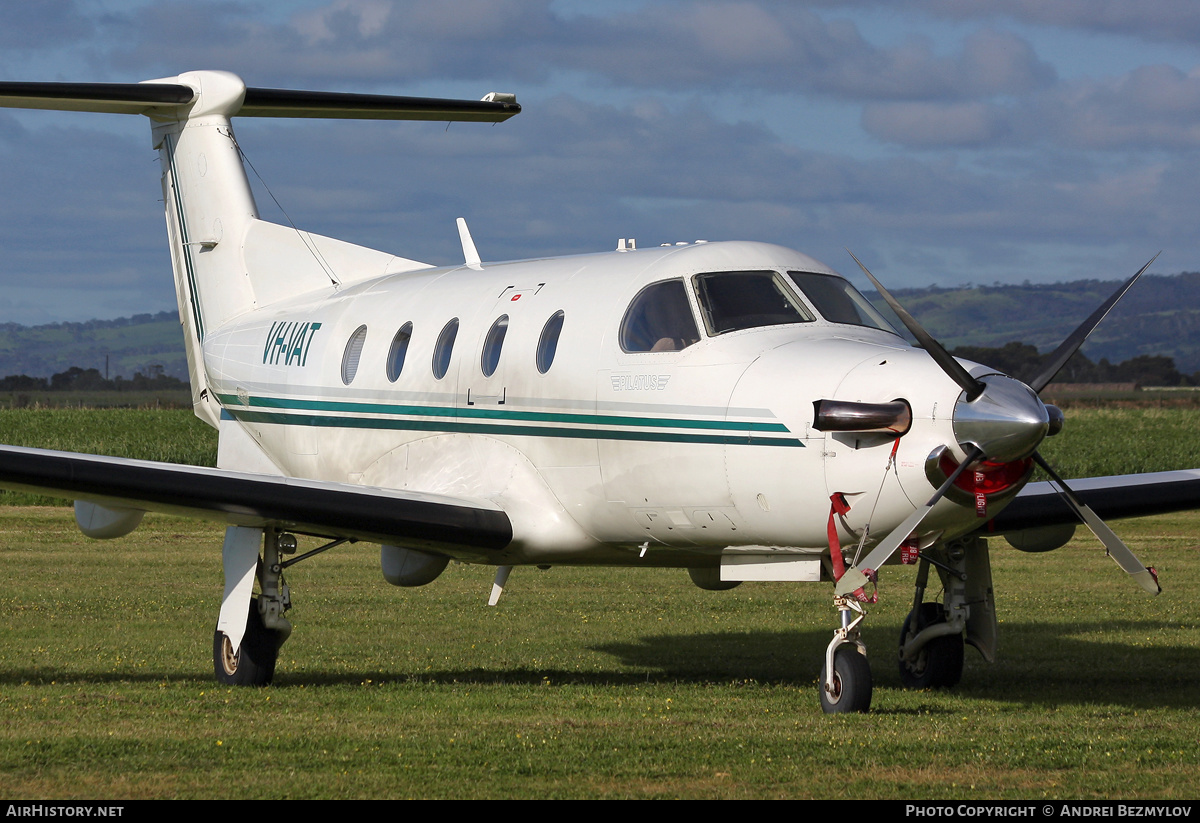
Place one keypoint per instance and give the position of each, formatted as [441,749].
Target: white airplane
[733,408]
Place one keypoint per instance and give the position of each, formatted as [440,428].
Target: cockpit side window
[659,319]
[838,301]
[733,300]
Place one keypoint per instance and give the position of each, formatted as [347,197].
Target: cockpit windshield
[734,300]
[838,301]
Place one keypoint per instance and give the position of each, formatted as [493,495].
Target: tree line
[1023,362]
[77,379]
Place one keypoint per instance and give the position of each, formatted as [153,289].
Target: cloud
[1163,20]
[944,158]
[573,175]
[936,125]
[46,23]
[81,227]
[720,44]
[1150,108]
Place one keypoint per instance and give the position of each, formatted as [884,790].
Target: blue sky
[943,141]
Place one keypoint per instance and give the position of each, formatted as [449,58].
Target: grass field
[584,683]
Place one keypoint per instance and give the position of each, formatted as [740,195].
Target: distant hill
[131,344]
[1159,316]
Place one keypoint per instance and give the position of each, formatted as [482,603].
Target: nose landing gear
[846,678]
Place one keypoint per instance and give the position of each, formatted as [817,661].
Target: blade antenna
[943,358]
[1071,345]
[1147,578]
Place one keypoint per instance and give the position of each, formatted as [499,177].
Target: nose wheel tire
[939,664]
[851,683]
[254,662]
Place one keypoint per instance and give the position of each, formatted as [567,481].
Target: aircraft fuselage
[606,452]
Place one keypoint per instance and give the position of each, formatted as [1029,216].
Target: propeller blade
[853,579]
[1147,578]
[943,358]
[1071,345]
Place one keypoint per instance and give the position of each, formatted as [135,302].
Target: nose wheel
[845,684]
[849,689]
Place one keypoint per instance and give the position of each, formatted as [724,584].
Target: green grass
[170,435]
[582,683]
[596,683]
[1103,441]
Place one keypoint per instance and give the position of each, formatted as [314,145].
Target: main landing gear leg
[932,639]
[244,654]
[931,642]
[846,678]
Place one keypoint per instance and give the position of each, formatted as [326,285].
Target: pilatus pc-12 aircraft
[735,409]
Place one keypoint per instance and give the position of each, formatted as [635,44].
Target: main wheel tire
[254,662]
[851,683]
[939,664]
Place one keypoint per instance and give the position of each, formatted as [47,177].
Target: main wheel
[851,683]
[939,664]
[254,662]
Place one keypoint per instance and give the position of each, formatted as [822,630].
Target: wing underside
[336,510]
[1112,498]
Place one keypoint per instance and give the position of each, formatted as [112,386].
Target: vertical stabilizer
[209,209]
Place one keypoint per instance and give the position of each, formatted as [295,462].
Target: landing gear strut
[846,678]
[252,663]
[938,663]
[932,639]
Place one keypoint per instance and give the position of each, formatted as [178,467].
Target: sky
[946,142]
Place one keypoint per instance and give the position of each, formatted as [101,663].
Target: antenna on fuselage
[470,254]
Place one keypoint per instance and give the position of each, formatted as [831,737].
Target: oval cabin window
[444,348]
[353,353]
[398,351]
[492,345]
[548,342]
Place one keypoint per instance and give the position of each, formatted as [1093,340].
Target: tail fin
[210,208]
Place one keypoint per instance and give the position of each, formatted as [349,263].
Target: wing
[339,510]
[1112,498]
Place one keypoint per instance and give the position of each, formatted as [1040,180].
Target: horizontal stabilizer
[327,104]
[118,98]
[144,98]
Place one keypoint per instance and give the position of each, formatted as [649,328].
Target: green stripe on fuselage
[502,414]
[457,420]
[341,421]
